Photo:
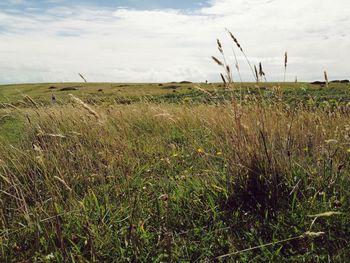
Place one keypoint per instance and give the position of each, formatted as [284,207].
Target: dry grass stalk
[80,75]
[217,61]
[285,65]
[32,101]
[312,234]
[223,78]
[220,46]
[326,78]
[229,74]
[203,90]
[256,74]
[60,136]
[63,183]
[85,106]
[285,59]
[326,214]
[237,65]
[9,105]
[224,63]
[241,49]
[235,40]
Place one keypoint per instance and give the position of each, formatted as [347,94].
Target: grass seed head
[285,59]
[85,106]
[235,40]
[217,61]
[83,78]
[261,72]
[220,46]
[223,78]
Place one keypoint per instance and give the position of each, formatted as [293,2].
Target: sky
[164,41]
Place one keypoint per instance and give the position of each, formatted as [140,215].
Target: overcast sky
[158,41]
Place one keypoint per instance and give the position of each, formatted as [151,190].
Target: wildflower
[219,153]
[200,150]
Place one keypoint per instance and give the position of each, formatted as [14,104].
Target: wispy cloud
[121,44]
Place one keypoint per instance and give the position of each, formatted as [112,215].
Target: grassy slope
[155,182]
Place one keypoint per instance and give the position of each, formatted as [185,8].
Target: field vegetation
[174,172]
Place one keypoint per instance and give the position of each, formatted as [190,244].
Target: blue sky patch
[136,4]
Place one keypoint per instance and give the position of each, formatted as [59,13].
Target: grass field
[119,93]
[174,172]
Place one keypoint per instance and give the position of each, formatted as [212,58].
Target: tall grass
[176,183]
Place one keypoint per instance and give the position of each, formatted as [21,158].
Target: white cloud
[167,45]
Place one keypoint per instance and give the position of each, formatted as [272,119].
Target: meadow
[174,172]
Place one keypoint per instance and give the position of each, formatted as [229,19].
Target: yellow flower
[142,226]
[200,150]
[219,153]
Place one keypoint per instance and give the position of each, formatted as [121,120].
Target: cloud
[128,45]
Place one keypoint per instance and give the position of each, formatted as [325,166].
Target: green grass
[11,128]
[169,92]
[163,176]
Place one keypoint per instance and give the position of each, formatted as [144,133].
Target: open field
[124,93]
[174,172]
